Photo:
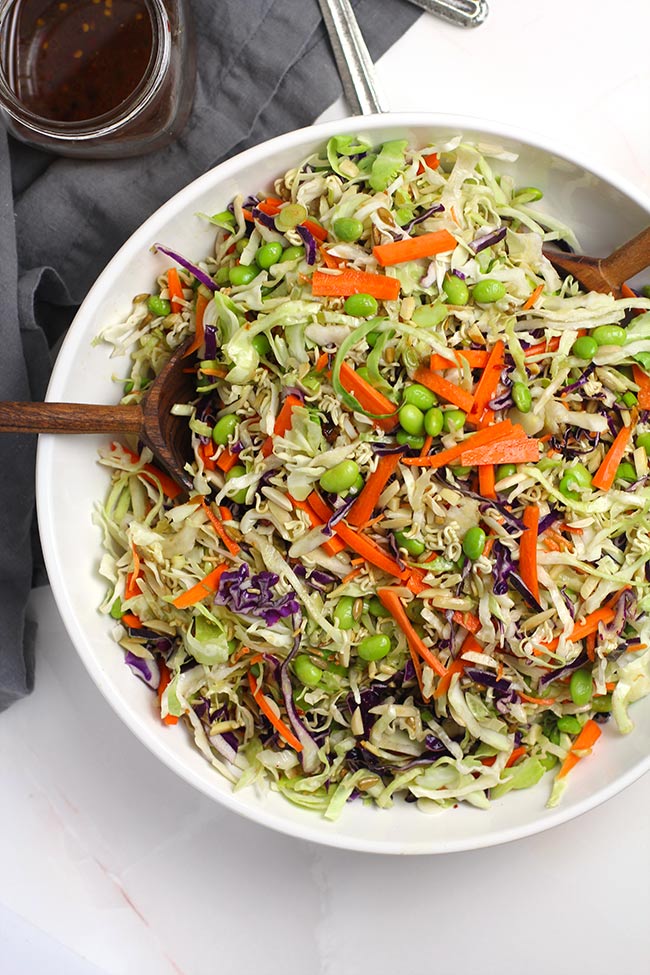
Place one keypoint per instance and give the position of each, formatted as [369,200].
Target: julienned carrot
[315,229]
[528,549]
[358,542]
[459,664]
[488,382]
[642,379]
[199,334]
[551,346]
[151,473]
[583,743]
[515,755]
[442,387]
[226,460]
[362,509]
[476,359]
[165,678]
[230,543]
[282,423]
[483,437]
[263,704]
[350,282]
[546,701]
[426,245]
[432,161]
[131,587]
[175,289]
[469,621]
[510,450]
[486,481]
[205,587]
[606,473]
[329,259]
[271,205]
[588,625]
[331,546]
[369,397]
[133,622]
[391,601]
[205,453]
[532,298]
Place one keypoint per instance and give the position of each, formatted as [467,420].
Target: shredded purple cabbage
[196,271]
[254,595]
[486,679]
[210,339]
[310,244]
[579,382]
[547,521]
[147,670]
[438,208]
[552,675]
[264,218]
[487,240]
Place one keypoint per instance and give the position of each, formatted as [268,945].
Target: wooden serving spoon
[605,273]
[168,436]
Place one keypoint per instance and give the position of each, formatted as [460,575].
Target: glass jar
[96,78]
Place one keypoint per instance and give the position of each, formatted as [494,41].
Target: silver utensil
[352,58]
[463,13]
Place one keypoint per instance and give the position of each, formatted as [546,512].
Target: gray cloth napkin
[265,67]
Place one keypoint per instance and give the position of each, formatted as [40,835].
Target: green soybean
[626,472]
[361,305]
[643,440]
[453,420]
[344,613]
[239,497]
[358,485]
[376,608]
[269,254]
[159,306]
[419,396]
[455,289]
[609,335]
[222,277]
[261,344]
[241,274]
[371,339]
[293,253]
[521,397]
[433,421]
[569,724]
[576,479]
[340,478]
[474,542]
[306,671]
[412,545]
[290,216]
[460,471]
[409,440]
[374,647]
[224,429]
[580,687]
[411,419]
[428,316]
[241,245]
[585,347]
[602,704]
[548,762]
[488,290]
[505,470]
[348,229]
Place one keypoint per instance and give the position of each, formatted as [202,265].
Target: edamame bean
[340,478]
[569,724]
[630,399]
[460,471]
[602,704]
[293,253]
[158,306]
[306,671]
[239,497]
[474,542]
[241,245]
[585,347]
[505,470]
[488,290]
[222,277]
[428,316]
[580,686]
[376,608]
[240,274]
[521,397]
[269,254]
[643,440]
[361,306]
[411,419]
[290,216]
[609,335]
[344,613]
[409,440]
[455,289]
[453,420]
[433,421]
[348,229]
[549,761]
[358,485]
[412,545]
[374,647]
[626,472]
[576,480]
[419,396]
[371,339]
[261,344]
[224,429]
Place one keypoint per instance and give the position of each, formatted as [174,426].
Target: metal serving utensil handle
[353,59]
[463,13]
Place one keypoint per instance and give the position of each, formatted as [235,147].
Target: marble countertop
[113,865]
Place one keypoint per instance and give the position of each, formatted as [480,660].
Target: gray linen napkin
[265,67]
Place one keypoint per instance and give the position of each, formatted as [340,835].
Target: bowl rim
[142,238]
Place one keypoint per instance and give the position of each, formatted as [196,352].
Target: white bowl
[602,210]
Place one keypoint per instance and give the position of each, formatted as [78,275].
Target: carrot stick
[469,621]
[329,259]
[226,460]
[131,587]
[510,450]
[584,742]
[263,704]
[532,298]
[205,587]
[426,245]
[165,678]
[528,549]
[432,161]
[230,544]
[205,453]
[606,473]
[362,509]
[642,379]
[359,543]
[551,346]
[486,481]
[391,601]
[331,546]
[271,205]
[515,755]
[546,701]
[369,397]
[201,304]
[442,387]
[168,485]
[488,382]
[458,666]
[175,290]
[482,438]
[476,358]
[282,423]
[132,621]
[350,282]
[588,625]
[315,229]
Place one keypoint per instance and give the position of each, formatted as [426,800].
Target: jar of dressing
[96,78]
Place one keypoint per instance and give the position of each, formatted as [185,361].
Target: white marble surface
[112,865]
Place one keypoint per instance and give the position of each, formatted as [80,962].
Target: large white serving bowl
[603,211]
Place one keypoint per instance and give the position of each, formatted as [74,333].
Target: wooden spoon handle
[69,418]
[628,260]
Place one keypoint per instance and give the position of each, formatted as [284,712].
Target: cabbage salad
[415,562]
